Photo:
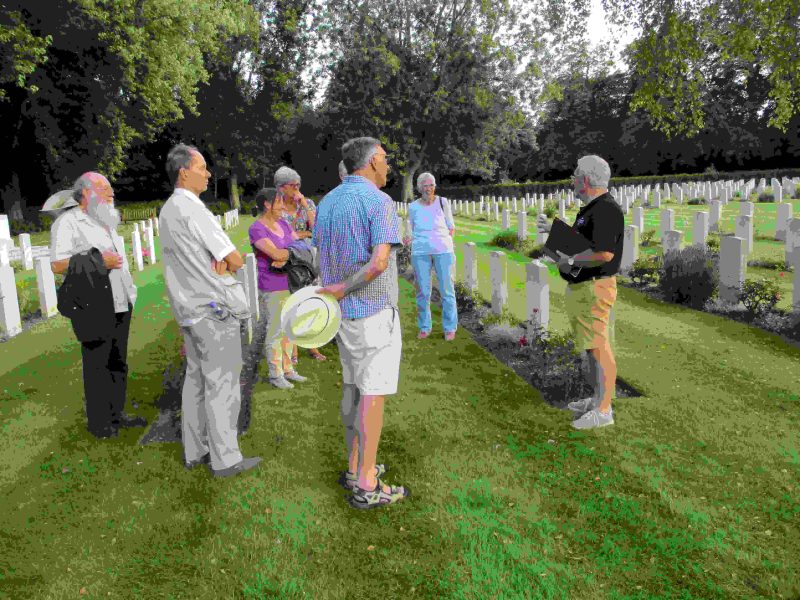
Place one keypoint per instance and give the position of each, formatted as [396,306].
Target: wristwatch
[571,261]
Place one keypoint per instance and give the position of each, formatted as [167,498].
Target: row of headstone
[143,245]
[732,270]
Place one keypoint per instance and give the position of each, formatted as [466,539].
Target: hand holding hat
[311,319]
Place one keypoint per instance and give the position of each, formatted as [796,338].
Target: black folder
[564,239]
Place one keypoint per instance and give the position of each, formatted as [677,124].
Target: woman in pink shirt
[270,236]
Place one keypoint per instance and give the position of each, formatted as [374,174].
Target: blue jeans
[445,265]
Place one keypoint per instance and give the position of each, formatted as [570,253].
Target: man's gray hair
[357,152]
[84,182]
[342,170]
[595,169]
[423,179]
[286,175]
[180,157]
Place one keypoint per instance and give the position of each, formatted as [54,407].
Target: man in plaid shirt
[356,233]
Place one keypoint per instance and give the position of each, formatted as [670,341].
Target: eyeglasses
[292,185]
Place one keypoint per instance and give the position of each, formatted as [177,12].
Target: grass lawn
[692,494]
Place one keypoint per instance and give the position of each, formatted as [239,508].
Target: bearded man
[85,244]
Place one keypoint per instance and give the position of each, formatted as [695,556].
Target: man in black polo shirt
[592,287]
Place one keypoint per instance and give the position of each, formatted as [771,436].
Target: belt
[593,278]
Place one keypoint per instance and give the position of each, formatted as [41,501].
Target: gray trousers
[211,396]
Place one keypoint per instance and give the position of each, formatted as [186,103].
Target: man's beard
[103,213]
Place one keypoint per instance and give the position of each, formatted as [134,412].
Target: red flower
[523,341]
[782,273]
[535,310]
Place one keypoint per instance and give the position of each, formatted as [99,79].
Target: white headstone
[792,247]
[700,230]
[796,285]
[630,248]
[522,225]
[5,230]
[136,248]
[498,269]
[515,205]
[10,321]
[562,211]
[671,241]
[470,266]
[656,199]
[46,284]
[537,293]
[667,221]
[746,208]
[744,230]
[506,219]
[251,285]
[27,254]
[782,220]
[638,218]
[151,246]
[732,265]
[496,211]
[714,216]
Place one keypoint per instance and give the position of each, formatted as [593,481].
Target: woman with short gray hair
[432,229]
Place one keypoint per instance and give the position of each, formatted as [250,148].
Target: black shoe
[126,420]
[105,434]
[244,465]
[191,464]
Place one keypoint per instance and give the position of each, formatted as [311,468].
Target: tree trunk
[234,191]
[407,194]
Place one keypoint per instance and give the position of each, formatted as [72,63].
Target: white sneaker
[594,418]
[295,376]
[281,383]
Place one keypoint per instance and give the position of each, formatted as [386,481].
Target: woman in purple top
[270,235]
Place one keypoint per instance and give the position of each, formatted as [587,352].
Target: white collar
[190,195]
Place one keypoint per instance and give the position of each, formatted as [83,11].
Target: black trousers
[105,377]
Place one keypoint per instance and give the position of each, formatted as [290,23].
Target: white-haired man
[104,338]
[592,287]
[356,232]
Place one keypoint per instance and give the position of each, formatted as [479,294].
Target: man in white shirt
[93,224]
[197,255]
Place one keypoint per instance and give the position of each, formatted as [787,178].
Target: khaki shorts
[589,307]
[370,351]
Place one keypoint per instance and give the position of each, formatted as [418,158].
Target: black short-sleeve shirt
[603,224]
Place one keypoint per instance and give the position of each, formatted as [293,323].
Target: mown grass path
[692,494]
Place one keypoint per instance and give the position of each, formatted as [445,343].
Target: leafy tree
[112,73]
[682,42]
[443,85]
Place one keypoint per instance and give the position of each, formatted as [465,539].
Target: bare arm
[59,266]
[378,263]
[233,261]
[268,248]
[111,259]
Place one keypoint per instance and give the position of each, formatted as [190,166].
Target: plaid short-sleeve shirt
[351,220]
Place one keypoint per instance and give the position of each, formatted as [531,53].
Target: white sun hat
[310,319]
[59,201]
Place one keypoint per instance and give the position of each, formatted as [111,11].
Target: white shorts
[370,351]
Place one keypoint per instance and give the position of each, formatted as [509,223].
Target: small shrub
[759,295]
[506,317]
[536,252]
[403,258]
[648,238]
[712,243]
[466,300]
[16,266]
[555,366]
[645,270]
[796,194]
[737,195]
[766,197]
[28,296]
[689,276]
[774,264]
[550,210]
[505,239]
[696,201]
[502,335]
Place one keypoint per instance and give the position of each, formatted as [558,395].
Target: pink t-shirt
[269,281]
